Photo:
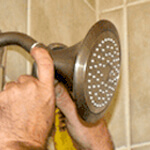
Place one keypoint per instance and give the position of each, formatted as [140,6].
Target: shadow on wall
[2,67]
[111,109]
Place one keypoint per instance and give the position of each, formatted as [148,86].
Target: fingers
[44,64]
[25,78]
[66,104]
[9,85]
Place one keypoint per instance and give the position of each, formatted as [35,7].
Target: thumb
[66,104]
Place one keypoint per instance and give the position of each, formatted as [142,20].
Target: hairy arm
[27,107]
[21,146]
[85,136]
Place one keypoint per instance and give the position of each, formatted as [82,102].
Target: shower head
[90,69]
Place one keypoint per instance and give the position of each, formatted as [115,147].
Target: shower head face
[102,72]
[97,71]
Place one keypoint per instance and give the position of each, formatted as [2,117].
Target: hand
[87,136]
[27,106]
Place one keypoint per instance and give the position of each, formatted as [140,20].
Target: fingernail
[58,91]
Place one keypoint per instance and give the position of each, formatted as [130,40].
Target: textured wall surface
[68,21]
[13,17]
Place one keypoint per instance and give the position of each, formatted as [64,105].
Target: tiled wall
[13,17]
[68,21]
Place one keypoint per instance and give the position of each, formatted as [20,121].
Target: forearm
[100,140]
[106,144]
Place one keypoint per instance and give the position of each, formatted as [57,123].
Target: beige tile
[115,117]
[117,109]
[107,4]
[92,3]
[60,21]
[130,1]
[13,15]
[142,148]
[139,46]
[15,62]
[122,148]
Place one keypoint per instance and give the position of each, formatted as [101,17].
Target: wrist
[17,139]
[105,144]
[20,145]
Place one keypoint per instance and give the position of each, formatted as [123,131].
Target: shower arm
[56,50]
[16,38]
[19,39]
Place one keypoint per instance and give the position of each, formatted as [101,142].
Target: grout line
[141,145]
[113,9]
[28,16]
[137,2]
[122,6]
[89,5]
[126,56]
[28,30]
[97,4]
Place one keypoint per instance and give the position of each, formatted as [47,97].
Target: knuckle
[10,85]
[26,78]
[33,84]
[46,64]
[22,77]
